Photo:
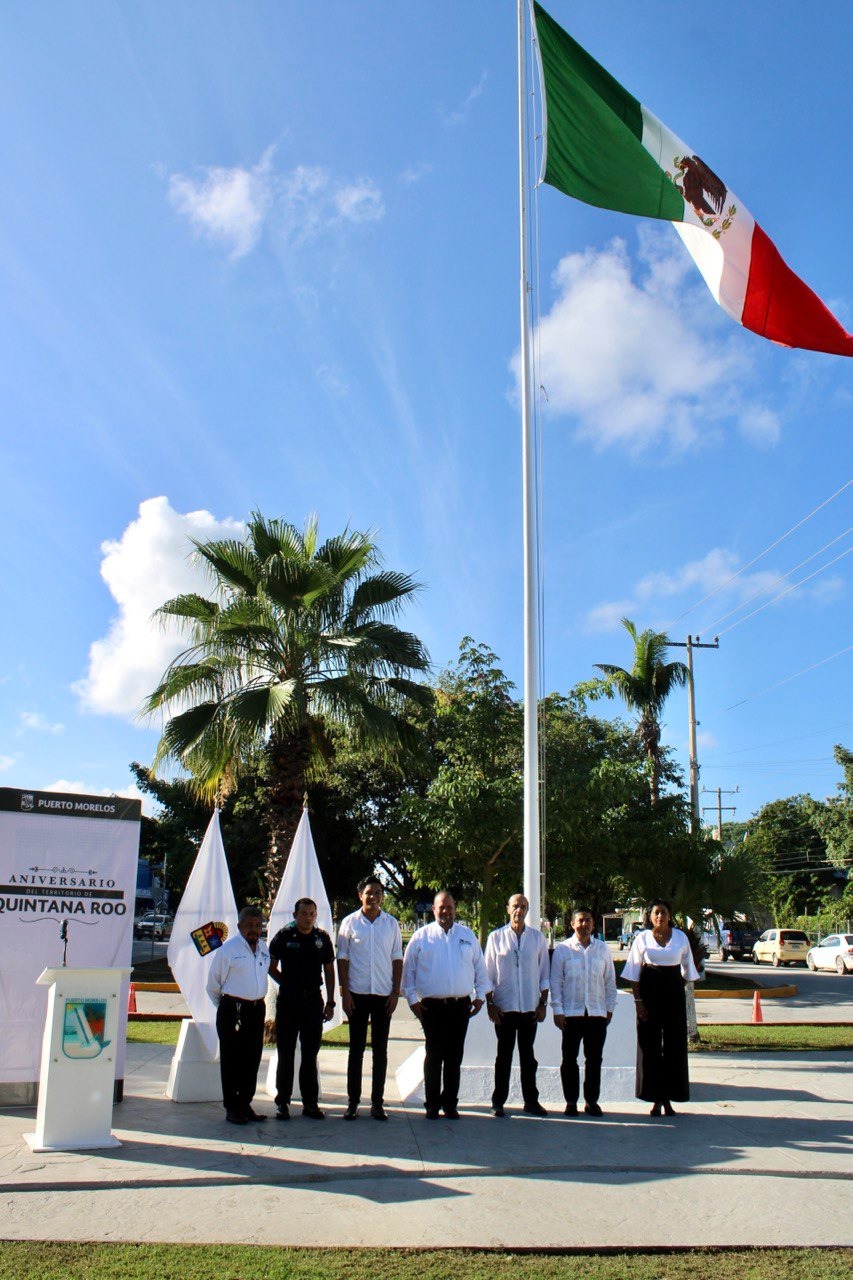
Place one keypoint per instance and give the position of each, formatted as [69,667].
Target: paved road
[821,997]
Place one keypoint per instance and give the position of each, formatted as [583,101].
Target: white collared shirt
[646,950]
[236,970]
[583,980]
[518,968]
[439,964]
[369,947]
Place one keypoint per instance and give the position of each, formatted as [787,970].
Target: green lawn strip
[155,1032]
[766,1038]
[57,1261]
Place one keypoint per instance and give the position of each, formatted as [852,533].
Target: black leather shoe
[234,1117]
[313,1113]
[450,1113]
[378,1111]
[498,1111]
[571,1109]
[254,1115]
[536,1109]
[431,1113]
[593,1109]
[282,1112]
[351,1112]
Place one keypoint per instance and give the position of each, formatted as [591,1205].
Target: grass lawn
[167,1033]
[795,1039]
[55,1261]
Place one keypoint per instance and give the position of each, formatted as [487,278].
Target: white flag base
[194,1074]
[478,1068]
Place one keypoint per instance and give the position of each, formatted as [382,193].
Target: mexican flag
[604,147]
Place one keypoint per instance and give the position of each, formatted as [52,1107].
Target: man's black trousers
[240,1027]
[591,1032]
[302,1023]
[520,1027]
[373,1010]
[445,1026]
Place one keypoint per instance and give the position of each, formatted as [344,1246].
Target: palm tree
[295,636]
[645,689]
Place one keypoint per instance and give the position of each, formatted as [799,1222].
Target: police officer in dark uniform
[301,957]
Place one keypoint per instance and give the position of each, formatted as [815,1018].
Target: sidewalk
[761,1155]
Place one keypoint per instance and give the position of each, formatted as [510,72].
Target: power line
[786,592]
[780,742]
[788,679]
[782,576]
[760,555]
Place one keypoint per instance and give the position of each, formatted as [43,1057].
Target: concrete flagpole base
[478,1067]
[194,1073]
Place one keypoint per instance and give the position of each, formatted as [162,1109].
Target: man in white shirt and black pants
[517,964]
[370,969]
[442,967]
[583,997]
[237,985]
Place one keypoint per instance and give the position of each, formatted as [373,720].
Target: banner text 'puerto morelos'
[606,148]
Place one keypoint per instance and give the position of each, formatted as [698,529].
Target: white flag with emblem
[206,917]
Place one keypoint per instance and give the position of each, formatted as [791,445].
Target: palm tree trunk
[287,760]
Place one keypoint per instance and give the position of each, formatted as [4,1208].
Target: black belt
[242,1000]
[446,999]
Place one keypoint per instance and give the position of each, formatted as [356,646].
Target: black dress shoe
[535,1109]
[254,1115]
[313,1113]
[282,1112]
[378,1111]
[571,1109]
[498,1111]
[351,1112]
[234,1117]
[450,1113]
[593,1109]
[431,1113]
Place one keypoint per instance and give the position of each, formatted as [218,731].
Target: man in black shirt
[301,956]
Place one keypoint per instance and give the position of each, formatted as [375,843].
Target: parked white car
[834,952]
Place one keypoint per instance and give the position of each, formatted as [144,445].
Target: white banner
[67,865]
[206,917]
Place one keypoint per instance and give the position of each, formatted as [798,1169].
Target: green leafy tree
[834,818]
[296,636]
[645,689]
[784,834]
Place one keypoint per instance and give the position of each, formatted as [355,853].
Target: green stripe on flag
[594,131]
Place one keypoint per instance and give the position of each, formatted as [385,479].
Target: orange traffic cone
[757,1015]
[131,999]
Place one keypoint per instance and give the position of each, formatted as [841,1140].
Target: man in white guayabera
[517,963]
[583,997]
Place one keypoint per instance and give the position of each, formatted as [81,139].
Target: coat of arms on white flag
[206,917]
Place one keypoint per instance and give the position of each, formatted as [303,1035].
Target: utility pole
[729,808]
[691,643]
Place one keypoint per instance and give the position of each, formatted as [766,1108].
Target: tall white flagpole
[531,728]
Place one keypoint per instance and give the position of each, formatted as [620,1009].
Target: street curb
[766,993]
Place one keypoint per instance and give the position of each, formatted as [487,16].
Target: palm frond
[261,708]
[232,564]
[383,593]
[190,607]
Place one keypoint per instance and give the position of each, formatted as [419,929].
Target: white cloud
[460,113]
[146,566]
[627,353]
[77,787]
[6,762]
[653,593]
[35,721]
[233,206]
[415,172]
[227,205]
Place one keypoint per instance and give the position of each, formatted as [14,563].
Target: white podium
[78,1060]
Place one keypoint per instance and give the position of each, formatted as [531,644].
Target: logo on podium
[83,1028]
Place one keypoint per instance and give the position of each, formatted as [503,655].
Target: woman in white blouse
[659,963]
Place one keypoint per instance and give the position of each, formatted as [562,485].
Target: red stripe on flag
[780,306]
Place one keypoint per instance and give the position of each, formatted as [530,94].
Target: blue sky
[265,255]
